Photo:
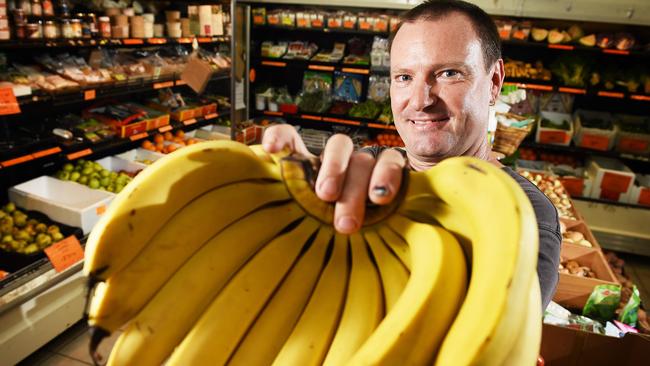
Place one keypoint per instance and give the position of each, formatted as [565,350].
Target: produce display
[93,175]
[368,109]
[627,290]
[522,69]
[387,139]
[553,189]
[25,235]
[574,268]
[295,292]
[575,237]
[174,142]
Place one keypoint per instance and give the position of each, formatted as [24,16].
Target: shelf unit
[41,44]
[325,118]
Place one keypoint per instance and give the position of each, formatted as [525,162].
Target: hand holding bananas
[221,254]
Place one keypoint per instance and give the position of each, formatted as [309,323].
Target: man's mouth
[428,121]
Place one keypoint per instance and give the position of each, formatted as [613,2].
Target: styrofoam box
[594,138]
[640,194]
[611,178]
[66,202]
[116,164]
[553,136]
[139,155]
[213,132]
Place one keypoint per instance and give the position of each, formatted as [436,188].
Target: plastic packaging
[602,302]
[629,314]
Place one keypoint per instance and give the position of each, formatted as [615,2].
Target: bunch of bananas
[220,254]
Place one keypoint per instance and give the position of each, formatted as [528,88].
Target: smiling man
[446,71]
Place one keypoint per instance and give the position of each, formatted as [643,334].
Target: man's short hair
[484,26]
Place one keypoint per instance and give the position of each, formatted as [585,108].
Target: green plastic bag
[603,302]
[630,311]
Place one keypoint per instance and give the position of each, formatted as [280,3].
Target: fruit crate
[633,142]
[213,132]
[594,138]
[582,228]
[116,164]
[69,203]
[573,291]
[12,261]
[140,156]
[551,135]
[612,180]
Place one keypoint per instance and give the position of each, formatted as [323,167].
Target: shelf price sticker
[79,154]
[65,253]
[321,67]
[564,89]
[44,153]
[204,39]
[552,137]
[640,97]
[355,70]
[617,52]
[157,40]
[164,129]
[611,94]
[190,121]
[274,63]
[138,136]
[561,47]
[596,142]
[8,103]
[211,116]
[132,41]
[16,161]
[90,94]
[165,84]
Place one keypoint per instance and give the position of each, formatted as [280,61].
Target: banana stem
[97,335]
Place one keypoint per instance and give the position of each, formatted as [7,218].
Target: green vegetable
[571,70]
[368,109]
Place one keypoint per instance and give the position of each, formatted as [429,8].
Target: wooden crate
[573,291]
[581,227]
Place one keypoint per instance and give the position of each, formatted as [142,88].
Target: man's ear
[497,76]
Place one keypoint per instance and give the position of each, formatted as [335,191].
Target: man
[446,70]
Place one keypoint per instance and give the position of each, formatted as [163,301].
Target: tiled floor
[69,348]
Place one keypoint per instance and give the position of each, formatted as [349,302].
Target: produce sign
[364,298]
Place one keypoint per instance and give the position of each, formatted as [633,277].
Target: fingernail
[380,191]
[329,187]
[347,224]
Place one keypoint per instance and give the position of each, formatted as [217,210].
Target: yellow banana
[128,290]
[152,335]
[364,306]
[394,275]
[411,332]
[221,327]
[311,338]
[396,244]
[525,350]
[452,194]
[265,338]
[156,194]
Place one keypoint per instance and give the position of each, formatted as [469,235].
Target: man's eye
[450,74]
[402,78]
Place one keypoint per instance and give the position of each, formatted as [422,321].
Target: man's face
[440,89]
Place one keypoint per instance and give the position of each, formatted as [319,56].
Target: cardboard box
[572,347]
[140,155]
[633,142]
[612,180]
[128,119]
[66,202]
[573,291]
[594,138]
[554,136]
[640,194]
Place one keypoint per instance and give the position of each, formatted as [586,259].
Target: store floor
[71,347]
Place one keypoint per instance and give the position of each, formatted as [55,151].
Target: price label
[644,196]
[132,41]
[552,137]
[157,40]
[79,154]
[8,102]
[138,136]
[43,153]
[166,84]
[615,182]
[3,274]
[211,116]
[65,253]
[90,94]
[185,40]
[633,145]
[596,142]
[321,67]
[181,82]
[302,23]
[190,121]
[356,71]
[258,19]
[16,161]
[308,116]
[164,129]
[204,39]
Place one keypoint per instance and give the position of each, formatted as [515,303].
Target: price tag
[79,154]
[16,161]
[185,40]
[164,129]
[204,39]
[65,253]
[645,98]
[132,41]
[211,116]
[100,210]
[633,145]
[308,116]
[356,71]
[271,113]
[552,137]
[138,136]
[258,20]
[321,67]
[615,182]
[43,153]
[644,196]
[596,142]
[166,84]
[611,94]
[181,82]
[157,40]
[90,94]
[302,23]
[8,102]
[3,274]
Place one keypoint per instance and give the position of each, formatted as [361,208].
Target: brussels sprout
[2,214]
[20,220]
[86,171]
[93,183]
[74,176]
[43,240]
[68,167]
[31,248]
[6,239]
[6,224]
[63,175]
[56,237]
[104,182]
[83,180]
[9,207]
[53,229]
[33,222]
[41,228]
[22,235]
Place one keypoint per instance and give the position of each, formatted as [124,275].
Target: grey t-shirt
[548,223]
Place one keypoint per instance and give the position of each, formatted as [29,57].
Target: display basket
[507,139]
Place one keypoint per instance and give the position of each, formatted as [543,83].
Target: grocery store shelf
[576,47]
[579,150]
[111,90]
[264,28]
[550,87]
[106,42]
[329,118]
[611,203]
[89,151]
[311,65]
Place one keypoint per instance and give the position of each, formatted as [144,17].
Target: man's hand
[346,177]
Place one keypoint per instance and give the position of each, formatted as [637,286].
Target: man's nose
[423,95]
